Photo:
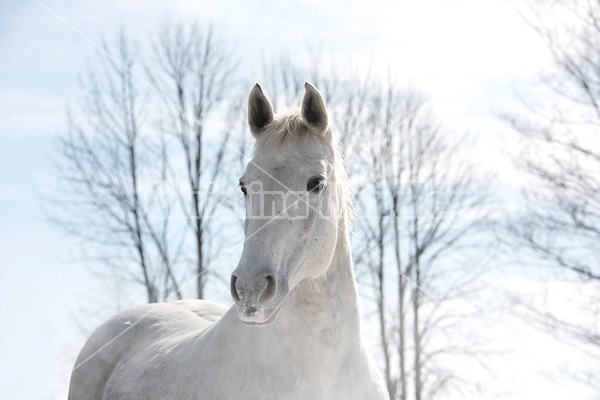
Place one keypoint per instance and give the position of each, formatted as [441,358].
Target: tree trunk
[381,307]
[416,331]
[401,290]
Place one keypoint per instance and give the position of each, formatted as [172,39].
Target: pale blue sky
[469,56]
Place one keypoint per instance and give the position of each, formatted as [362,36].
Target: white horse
[294,332]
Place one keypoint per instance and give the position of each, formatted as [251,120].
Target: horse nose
[233,289]
[253,292]
[269,293]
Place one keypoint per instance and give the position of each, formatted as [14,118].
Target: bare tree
[198,71]
[561,149]
[106,160]
[423,202]
[143,123]
[560,222]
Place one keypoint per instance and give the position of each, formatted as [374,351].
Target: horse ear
[314,112]
[260,111]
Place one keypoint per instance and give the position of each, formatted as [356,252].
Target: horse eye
[315,184]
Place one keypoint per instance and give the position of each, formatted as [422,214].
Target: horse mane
[288,130]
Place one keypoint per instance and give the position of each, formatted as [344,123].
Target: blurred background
[470,131]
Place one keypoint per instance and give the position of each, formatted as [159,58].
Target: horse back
[130,332]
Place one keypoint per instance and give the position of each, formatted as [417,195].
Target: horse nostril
[270,290]
[232,288]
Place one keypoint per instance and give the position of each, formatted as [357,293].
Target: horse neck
[320,318]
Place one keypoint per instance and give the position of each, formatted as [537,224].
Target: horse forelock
[286,130]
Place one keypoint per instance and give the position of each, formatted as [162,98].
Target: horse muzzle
[255,297]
